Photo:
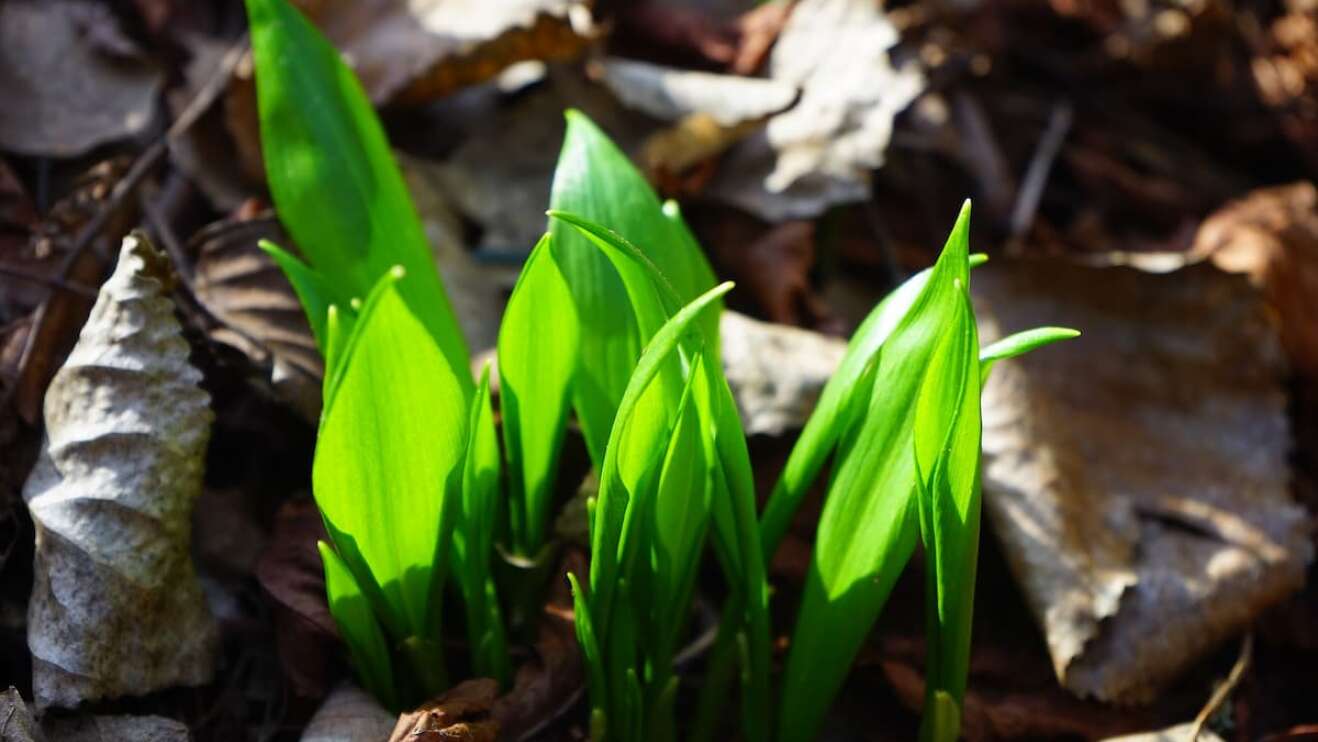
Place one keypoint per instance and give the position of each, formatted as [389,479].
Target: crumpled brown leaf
[69,79]
[1271,234]
[239,285]
[349,714]
[819,152]
[416,51]
[459,715]
[116,607]
[1137,476]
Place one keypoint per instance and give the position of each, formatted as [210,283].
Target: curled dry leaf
[462,714]
[776,372]
[116,607]
[349,714]
[242,288]
[1272,235]
[66,81]
[416,51]
[819,152]
[1137,475]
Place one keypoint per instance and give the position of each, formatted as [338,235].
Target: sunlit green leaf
[333,177]
[538,348]
[357,623]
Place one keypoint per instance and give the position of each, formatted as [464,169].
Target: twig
[1036,175]
[1223,691]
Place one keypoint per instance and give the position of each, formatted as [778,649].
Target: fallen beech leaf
[1137,476]
[16,722]
[63,95]
[1271,234]
[421,50]
[776,372]
[670,93]
[242,287]
[461,715]
[115,729]
[349,714]
[819,152]
[292,576]
[116,608]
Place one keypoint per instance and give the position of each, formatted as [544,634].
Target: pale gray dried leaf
[116,607]
[422,49]
[1178,733]
[16,722]
[116,729]
[819,152]
[350,714]
[500,176]
[776,372]
[242,288]
[64,92]
[1137,476]
[670,93]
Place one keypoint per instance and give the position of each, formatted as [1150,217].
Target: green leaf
[352,612]
[1021,343]
[334,180]
[392,436]
[597,181]
[868,526]
[843,395]
[590,649]
[538,344]
[473,543]
[611,503]
[947,454]
[312,289]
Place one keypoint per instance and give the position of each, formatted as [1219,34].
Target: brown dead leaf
[291,574]
[69,79]
[243,288]
[1272,236]
[459,715]
[1285,72]
[1137,476]
[413,52]
[670,93]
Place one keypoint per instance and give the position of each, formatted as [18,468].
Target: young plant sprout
[614,318]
